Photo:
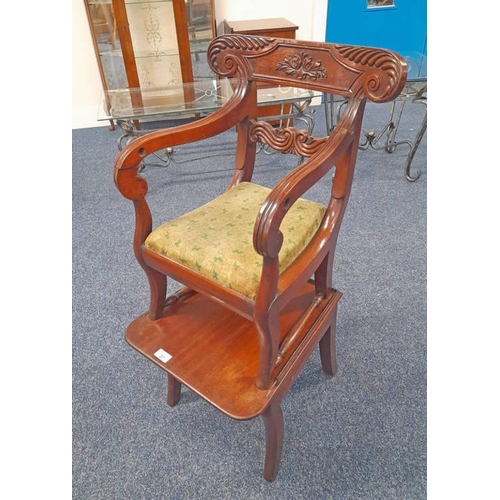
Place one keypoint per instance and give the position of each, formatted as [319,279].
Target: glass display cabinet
[151,43]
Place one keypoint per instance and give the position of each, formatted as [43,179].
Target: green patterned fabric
[216,240]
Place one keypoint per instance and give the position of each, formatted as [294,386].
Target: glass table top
[197,97]
[416,81]
[417,67]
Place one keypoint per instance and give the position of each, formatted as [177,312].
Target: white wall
[86,82]
[308,15]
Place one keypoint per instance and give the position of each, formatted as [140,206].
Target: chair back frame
[356,73]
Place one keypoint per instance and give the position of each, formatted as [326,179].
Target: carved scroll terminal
[224,53]
[382,69]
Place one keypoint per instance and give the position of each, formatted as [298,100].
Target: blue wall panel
[402,27]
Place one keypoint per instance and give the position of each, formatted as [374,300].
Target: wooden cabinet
[275,28]
[150,44]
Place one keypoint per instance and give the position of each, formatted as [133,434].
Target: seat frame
[291,313]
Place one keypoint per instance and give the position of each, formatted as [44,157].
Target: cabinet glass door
[154,39]
[201,31]
[151,44]
[107,43]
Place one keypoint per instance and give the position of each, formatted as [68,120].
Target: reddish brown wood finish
[242,355]
[181,25]
[273,423]
[277,27]
[174,390]
[215,351]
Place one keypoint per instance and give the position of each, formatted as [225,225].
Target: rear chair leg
[273,423]
[173,390]
[323,281]
[327,349]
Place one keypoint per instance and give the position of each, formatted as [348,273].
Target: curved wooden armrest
[267,238]
[127,179]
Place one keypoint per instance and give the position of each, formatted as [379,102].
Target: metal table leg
[413,148]
[414,93]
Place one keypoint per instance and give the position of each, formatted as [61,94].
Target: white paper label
[163,355]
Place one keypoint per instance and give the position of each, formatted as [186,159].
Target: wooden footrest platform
[215,352]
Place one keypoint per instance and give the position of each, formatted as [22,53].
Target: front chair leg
[173,390]
[158,292]
[273,423]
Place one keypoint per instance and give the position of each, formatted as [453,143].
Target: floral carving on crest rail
[303,67]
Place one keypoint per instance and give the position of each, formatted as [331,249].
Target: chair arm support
[126,174]
[267,238]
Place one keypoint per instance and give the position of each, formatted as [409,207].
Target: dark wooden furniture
[275,27]
[249,315]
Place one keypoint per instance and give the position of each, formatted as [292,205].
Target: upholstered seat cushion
[216,240]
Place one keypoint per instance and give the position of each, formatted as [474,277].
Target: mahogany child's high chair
[256,263]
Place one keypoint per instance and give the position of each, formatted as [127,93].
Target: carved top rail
[339,69]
